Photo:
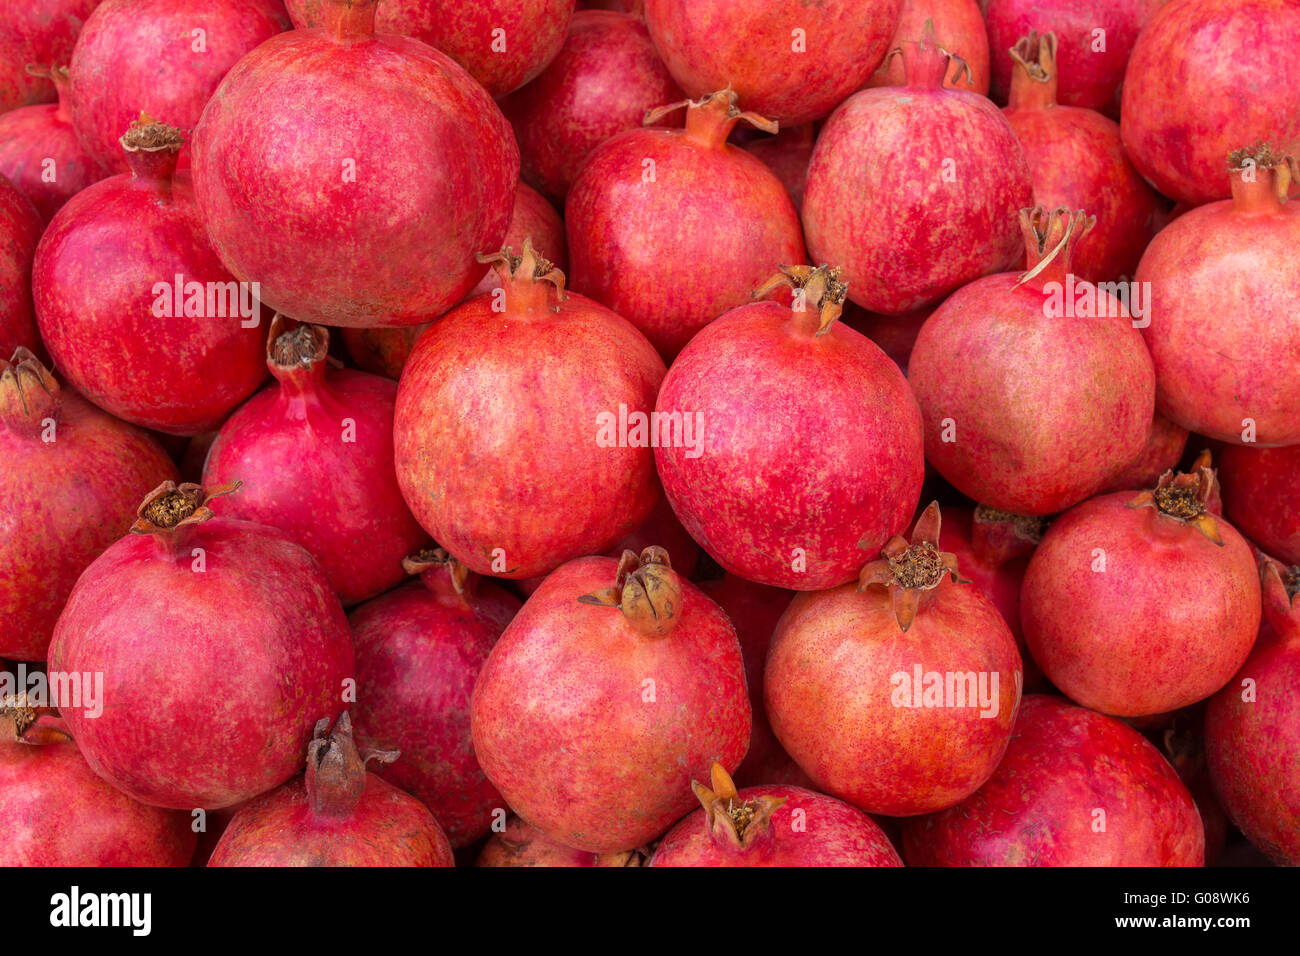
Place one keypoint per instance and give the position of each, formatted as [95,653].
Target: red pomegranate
[1076,160]
[913,190]
[897,694]
[1184,107]
[650,205]
[508,444]
[502,43]
[337,814]
[1252,727]
[1261,495]
[959,26]
[36,32]
[787,153]
[1075,788]
[789,60]
[1136,606]
[1164,450]
[157,332]
[772,826]
[1239,384]
[70,485]
[20,230]
[519,844]
[596,690]
[1035,387]
[804,439]
[895,334]
[354,175]
[226,713]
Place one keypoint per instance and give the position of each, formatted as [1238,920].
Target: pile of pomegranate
[649,433]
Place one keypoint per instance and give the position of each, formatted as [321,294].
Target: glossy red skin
[1193,91]
[960,28]
[902,243]
[637,246]
[495,432]
[1064,763]
[32,135]
[387,828]
[710,43]
[55,812]
[834,834]
[522,845]
[561,726]
[93,281]
[829,696]
[1215,257]
[1120,641]
[64,502]
[418,655]
[42,32]
[465,31]
[809,442]
[1163,450]
[431,190]
[787,154]
[1045,409]
[1261,496]
[895,334]
[265,653]
[602,82]
[20,231]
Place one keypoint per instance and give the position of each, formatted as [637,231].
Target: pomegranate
[1261,494]
[906,232]
[519,844]
[316,454]
[895,334]
[36,32]
[1164,450]
[1124,592]
[789,60]
[772,826]
[226,713]
[787,153]
[1076,788]
[354,174]
[157,333]
[20,230]
[1252,727]
[506,441]
[648,206]
[604,80]
[534,219]
[1239,384]
[1076,160]
[897,694]
[805,439]
[337,814]
[596,690]
[1056,391]
[72,479]
[959,25]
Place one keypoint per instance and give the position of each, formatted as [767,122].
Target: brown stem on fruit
[737,824]
[710,120]
[820,286]
[170,506]
[151,151]
[1050,239]
[296,354]
[1186,497]
[1279,585]
[349,20]
[925,62]
[646,589]
[30,398]
[524,278]
[1261,177]
[912,571]
[1033,80]
[447,579]
[1000,536]
[24,722]
[336,770]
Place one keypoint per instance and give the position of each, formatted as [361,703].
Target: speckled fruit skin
[20,231]
[829,689]
[465,30]
[55,812]
[139,55]
[1040,807]
[1236,254]
[226,713]
[960,28]
[1119,641]
[1193,91]
[895,334]
[1164,449]
[42,32]
[787,154]
[522,845]
[1261,496]
[562,725]
[710,43]
[355,177]
[809,442]
[834,834]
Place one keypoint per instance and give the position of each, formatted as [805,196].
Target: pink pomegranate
[507,435]
[1239,384]
[906,232]
[1261,495]
[959,25]
[36,32]
[787,153]
[649,206]
[353,174]
[20,230]
[1076,788]
[157,332]
[1164,450]
[897,694]
[519,844]
[71,482]
[1035,388]
[226,713]
[630,691]
[804,439]
[772,826]
[1252,727]
[337,814]
[789,60]
[1142,605]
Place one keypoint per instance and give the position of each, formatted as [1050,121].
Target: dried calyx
[1279,585]
[1185,497]
[819,287]
[646,589]
[1260,164]
[1000,536]
[1036,55]
[1050,239]
[524,275]
[147,136]
[741,824]
[24,722]
[292,345]
[336,770]
[925,62]
[911,570]
[29,395]
[442,574]
[711,119]
[171,506]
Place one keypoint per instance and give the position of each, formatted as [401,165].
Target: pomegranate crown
[146,135]
[912,570]
[171,506]
[1050,238]
[929,61]
[336,770]
[1262,155]
[291,344]
[646,589]
[1036,55]
[525,269]
[732,821]
[451,582]
[819,285]
[1186,497]
[28,392]
[711,114]
[1280,585]
[25,722]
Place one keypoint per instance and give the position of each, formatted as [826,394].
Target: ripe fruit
[1164,450]
[959,25]
[20,230]
[1261,494]
[40,32]
[787,153]
[522,845]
